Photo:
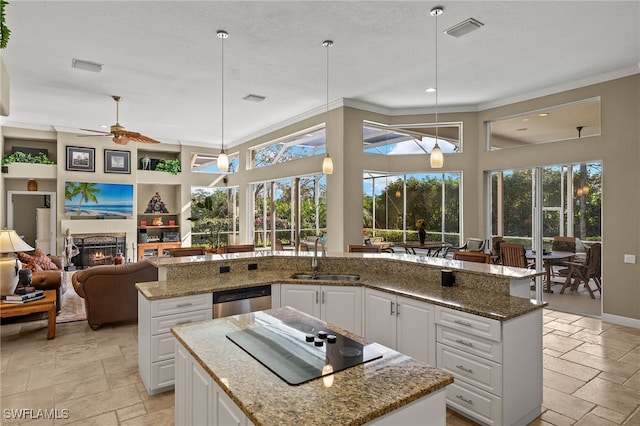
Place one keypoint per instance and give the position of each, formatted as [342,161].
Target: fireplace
[98,249]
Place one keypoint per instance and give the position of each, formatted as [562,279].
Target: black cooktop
[301,350]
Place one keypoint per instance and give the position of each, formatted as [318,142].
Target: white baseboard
[616,319]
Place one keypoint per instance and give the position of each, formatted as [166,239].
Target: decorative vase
[32,185]
[119,259]
[422,234]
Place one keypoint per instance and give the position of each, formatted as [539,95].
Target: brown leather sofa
[109,291]
[52,280]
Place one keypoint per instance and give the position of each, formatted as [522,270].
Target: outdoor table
[433,248]
[549,259]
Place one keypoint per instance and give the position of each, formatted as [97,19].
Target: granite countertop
[472,300]
[350,397]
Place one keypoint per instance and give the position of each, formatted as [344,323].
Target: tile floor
[591,374]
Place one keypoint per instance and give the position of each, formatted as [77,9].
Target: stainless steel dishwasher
[241,301]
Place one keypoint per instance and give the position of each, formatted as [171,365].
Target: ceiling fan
[120,135]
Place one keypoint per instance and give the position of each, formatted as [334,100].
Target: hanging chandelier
[436,159]
[223,160]
[327,163]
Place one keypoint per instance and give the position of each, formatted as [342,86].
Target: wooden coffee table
[48,304]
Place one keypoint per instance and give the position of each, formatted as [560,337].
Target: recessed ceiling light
[86,65]
[464,27]
[430,90]
[543,114]
[254,98]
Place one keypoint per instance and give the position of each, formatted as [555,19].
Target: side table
[48,304]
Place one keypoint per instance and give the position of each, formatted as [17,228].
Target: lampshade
[327,165]
[436,159]
[10,243]
[223,162]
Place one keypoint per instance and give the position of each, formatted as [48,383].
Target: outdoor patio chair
[584,272]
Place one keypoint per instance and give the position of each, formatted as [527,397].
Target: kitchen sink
[326,277]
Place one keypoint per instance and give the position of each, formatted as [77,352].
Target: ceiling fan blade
[102,132]
[137,137]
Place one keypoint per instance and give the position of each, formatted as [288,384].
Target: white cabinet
[156,344]
[199,400]
[338,305]
[401,323]
[497,365]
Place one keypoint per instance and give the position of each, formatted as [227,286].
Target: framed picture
[117,161]
[80,159]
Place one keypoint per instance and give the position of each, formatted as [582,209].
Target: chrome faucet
[314,260]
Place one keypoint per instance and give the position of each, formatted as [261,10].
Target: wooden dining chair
[472,256]
[496,242]
[186,251]
[239,248]
[564,244]
[357,248]
[513,254]
[585,272]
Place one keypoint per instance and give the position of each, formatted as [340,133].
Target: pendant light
[327,163]
[436,159]
[223,160]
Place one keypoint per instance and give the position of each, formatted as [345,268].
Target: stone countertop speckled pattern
[469,299]
[356,395]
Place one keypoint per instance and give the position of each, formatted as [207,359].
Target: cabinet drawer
[475,403]
[177,305]
[163,373]
[162,347]
[470,343]
[477,371]
[472,324]
[161,325]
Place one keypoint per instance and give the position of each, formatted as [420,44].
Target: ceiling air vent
[254,98]
[464,27]
[86,65]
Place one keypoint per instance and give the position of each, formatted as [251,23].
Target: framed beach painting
[117,161]
[81,159]
[98,200]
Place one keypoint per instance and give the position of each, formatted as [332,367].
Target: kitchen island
[480,330]
[217,381]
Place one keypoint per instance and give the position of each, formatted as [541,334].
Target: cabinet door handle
[463,368]
[464,323]
[183,322]
[462,398]
[323,297]
[397,309]
[183,305]
[392,313]
[316,297]
[464,342]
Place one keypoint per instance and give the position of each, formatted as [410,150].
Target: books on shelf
[23,298]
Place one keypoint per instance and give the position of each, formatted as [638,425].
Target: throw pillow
[25,258]
[43,261]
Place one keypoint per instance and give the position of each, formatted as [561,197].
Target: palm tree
[86,190]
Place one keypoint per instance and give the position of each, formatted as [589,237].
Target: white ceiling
[163,58]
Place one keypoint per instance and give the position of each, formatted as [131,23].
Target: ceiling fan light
[464,27]
[436,159]
[223,162]
[327,165]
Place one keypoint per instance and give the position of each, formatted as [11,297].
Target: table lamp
[10,243]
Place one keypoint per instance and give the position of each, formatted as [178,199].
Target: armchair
[109,291]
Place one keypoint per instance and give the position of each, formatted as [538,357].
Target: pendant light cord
[437,87]
[222,95]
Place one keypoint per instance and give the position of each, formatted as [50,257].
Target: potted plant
[169,165]
[21,157]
